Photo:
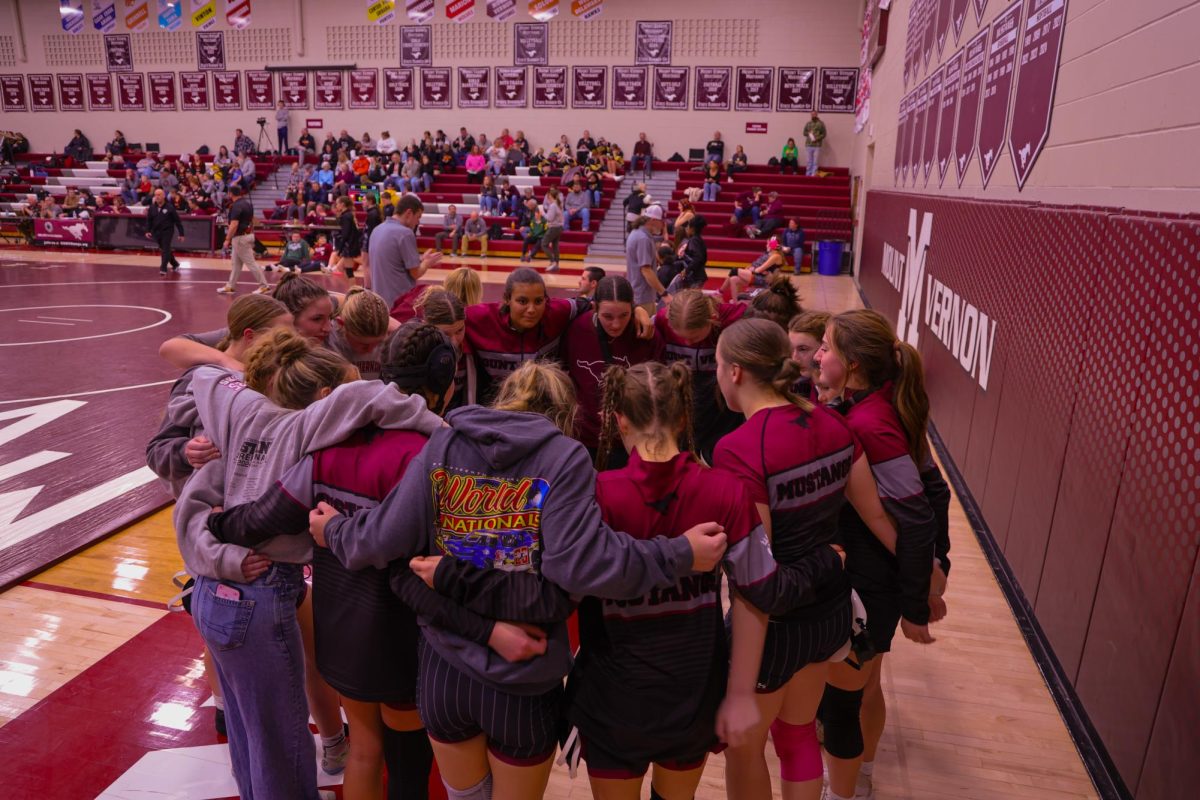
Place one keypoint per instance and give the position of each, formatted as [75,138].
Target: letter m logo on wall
[914,277]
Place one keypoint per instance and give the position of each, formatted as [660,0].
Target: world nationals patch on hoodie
[490,523]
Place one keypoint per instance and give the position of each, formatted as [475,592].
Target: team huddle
[734,503]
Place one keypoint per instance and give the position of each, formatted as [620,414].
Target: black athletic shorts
[883,615]
[520,729]
[609,763]
[809,637]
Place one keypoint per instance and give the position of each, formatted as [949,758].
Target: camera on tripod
[262,121]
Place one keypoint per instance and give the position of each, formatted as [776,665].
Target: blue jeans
[813,152]
[712,157]
[596,197]
[711,190]
[584,213]
[488,203]
[740,214]
[255,642]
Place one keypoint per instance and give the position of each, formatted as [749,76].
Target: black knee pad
[409,758]
[839,715]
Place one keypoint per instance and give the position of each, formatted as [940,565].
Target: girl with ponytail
[800,464]
[360,331]
[882,385]
[779,303]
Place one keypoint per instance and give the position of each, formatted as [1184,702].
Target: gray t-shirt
[393,254]
[640,252]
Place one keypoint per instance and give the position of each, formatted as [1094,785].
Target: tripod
[263,138]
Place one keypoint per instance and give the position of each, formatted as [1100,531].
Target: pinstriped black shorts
[454,707]
[793,644]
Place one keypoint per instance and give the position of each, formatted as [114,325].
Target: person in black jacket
[79,148]
[162,221]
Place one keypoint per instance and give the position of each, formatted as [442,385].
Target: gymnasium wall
[774,33]
[1061,336]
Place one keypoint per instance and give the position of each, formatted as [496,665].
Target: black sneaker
[162,272]
[219,722]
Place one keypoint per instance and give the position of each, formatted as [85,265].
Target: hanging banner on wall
[100,93]
[381,12]
[260,90]
[943,26]
[587,9]
[549,87]
[397,88]
[898,163]
[170,14]
[364,88]
[543,10]
[1041,44]
[652,42]
[629,88]
[227,91]
[435,87]
[589,87]
[293,90]
[511,87]
[419,11]
[237,13]
[970,86]
[951,79]
[958,17]
[203,13]
[41,92]
[71,14]
[460,10]
[137,15]
[70,92]
[916,132]
[531,44]
[328,90]
[997,88]
[118,54]
[13,89]
[416,46]
[980,7]
[929,31]
[193,91]
[754,89]
[131,92]
[210,50]
[933,121]
[797,89]
[838,88]
[473,87]
[500,10]
[104,15]
[712,88]
[670,88]
[162,91]
[862,100]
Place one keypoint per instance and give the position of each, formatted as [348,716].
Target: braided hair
[653,397]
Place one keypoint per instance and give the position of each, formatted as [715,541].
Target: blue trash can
[829,258]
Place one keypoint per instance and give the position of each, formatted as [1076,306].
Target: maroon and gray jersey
[369,364]
[498,349]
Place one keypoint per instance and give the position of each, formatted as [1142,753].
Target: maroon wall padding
[1083,449]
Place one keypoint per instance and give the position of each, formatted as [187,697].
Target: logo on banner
[968,333]
[419,11]
[543,10]
[587,9]
[169,14]
[104,15]
[381,12]
[237,13]
[460,10]
[204,13]
[500,10]
[71,12]
[137,15]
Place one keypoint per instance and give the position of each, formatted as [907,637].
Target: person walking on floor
[239,238]
[162,220]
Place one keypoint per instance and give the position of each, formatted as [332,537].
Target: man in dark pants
[162,220]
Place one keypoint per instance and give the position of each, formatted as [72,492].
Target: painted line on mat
[88,394]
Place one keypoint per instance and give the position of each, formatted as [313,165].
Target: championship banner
[862,100]
[929,31]
[210,50]
[398,88]
[500,10]
[970,88]
[629,88]
[70,92]
[587,9]
[100,93]
[796,89]
[753,89]
[549,87]
[652,42]
[543,10]
[980,7]
[473,88]
[328,90]
[838,88]
[13,89]
[162,91]
[118,52]
[64,231]
[901,127]
[916,132]
[511,89]
[435,87]
[131,91]
[237,13]
[137,15]
[997,88]
[227,91]
[943,26]
[170,15]
[958,17]
[460,10]
[203,13]
[1041,43]
[193,91]
[670,88]
[260,90]
[588,87]
[381,12]
[419,11]
[531,44]
[933,121]
[104,15]
[416,46]
[712,88]
[951,78]
[71,14]
[364,88]
[293,90]
[41,92]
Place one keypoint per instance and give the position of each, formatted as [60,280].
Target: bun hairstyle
[866,339]
[363,313]
[761,349]
[811,322]
[419,359]
[290,371]
[439,307]
[253,312]
[653,397]
[464,283]
[298,292]
[691,310]
[779,303]
[540,387]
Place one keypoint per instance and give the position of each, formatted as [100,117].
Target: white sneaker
[225,290]
[865,788]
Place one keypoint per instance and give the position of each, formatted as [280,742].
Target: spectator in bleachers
[366,144]
[510,198]
[792,240]
[584,147]
[71,205]
[427,172]
[814,138]
[295,252]
[489,198]
[475,229]
[49,208]
[361,164]
[394,173]
[128,187]
[242,144]
[483,142]
[377,173]
[738,162]
[451,227]
[757,274]
[790,157]
[117,146]
[712,181]
[497,157]
[746,206]
[533,234]
[79,148]
[475,165]
[167,179]
[222,158]
[118,206]
[642,154]
[577,205]
[291,211]
[444,163]
[345,141]
[770,216]
[538,163]
[520,143]
[248,172]
[386,144]
[439,139]
[148,165]
[306,144]
[612,156]
[595,188]
[715,149]
[317,215]
[634,204]
[329,146]
[411,176]
[463,144]
[281,126]
[505,139]
[144,190]
[588,280]
[325,176]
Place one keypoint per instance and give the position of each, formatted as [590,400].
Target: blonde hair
[761,349]
[651,396]
[691,310]
[363,313]
[290,371]
[255,312]
[439,307]
[540,387]
[811,322]
[464,284]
